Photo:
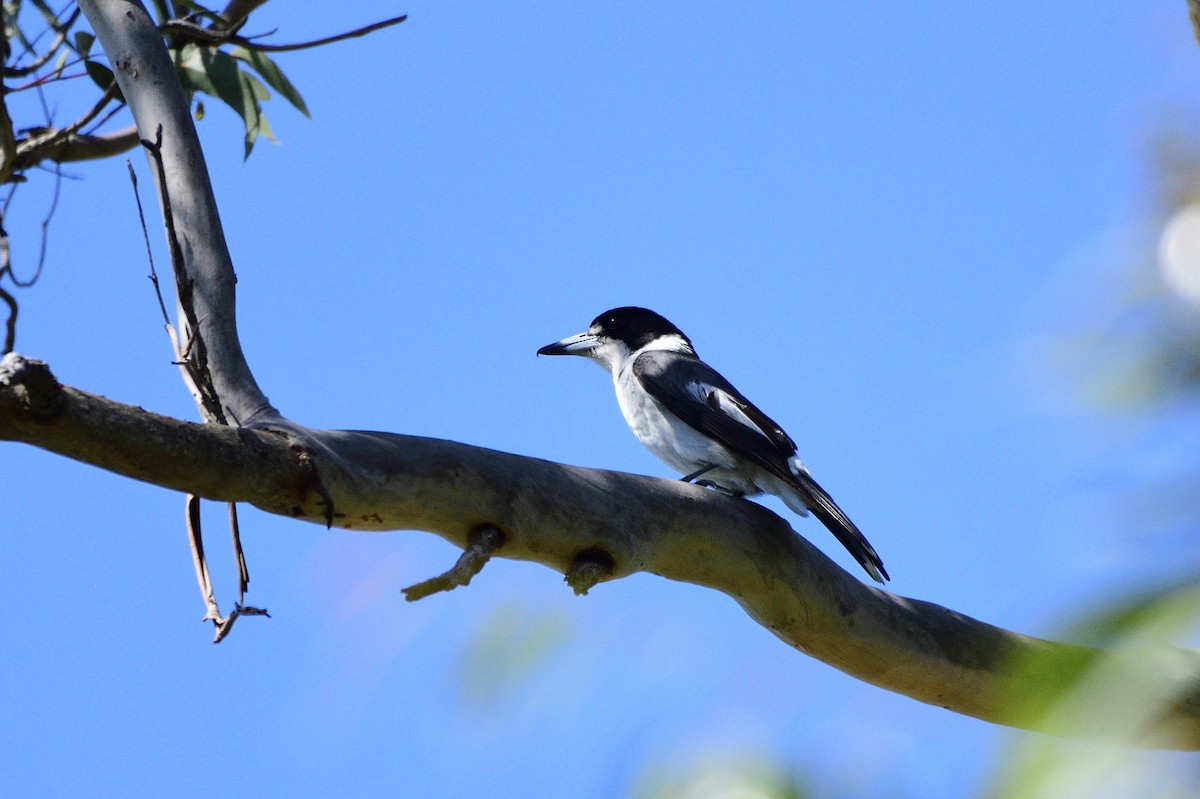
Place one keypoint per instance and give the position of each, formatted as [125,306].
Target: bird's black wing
[703,399]
[698,395]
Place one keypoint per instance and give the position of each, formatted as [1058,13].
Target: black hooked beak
[580,344]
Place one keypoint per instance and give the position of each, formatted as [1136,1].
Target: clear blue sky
[882,221]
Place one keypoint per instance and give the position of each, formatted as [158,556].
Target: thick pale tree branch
[135,443]
[148,81]
[589,524]
[64,146]
[560,516]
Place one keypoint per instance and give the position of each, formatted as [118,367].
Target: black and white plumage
[694,420]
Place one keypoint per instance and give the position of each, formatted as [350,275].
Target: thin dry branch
[185,31]
[222,625]
[45,56]
[10,324]
[75,147]
[198,375]
[6,265]
[162,305]
[239,554]
[43,143]
[196,541]
[480,546]
[192,357]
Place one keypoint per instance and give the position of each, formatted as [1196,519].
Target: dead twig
[196,541]
[238,554]
[194,358]
[226,624]
[222,624]
[150,257]
[6,270]
[10,326]
[482,543]
[186,32]
[191,356]
[41,60]
[42,143]
[6,253]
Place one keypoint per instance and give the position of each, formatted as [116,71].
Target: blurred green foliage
[510,646]
[721,776]
[1143,626]
[1142,358]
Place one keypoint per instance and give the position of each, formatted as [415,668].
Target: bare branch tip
[590,567]
[224,625]
[483,541]
[239,555]
[249,610]
[327,501]
[35,386]
[10,324]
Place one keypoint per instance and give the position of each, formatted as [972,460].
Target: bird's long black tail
[825,509]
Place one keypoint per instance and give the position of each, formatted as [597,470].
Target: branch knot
[33,385]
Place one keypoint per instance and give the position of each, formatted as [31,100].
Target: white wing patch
[728,406]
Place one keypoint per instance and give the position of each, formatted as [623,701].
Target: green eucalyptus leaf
[161,12]
[83,42]
[264,128]
[218,74]
[102,76]
[273,75]
[223,72]
[192,72]
[227,85]
[255,87]
[201,11]
[256,120]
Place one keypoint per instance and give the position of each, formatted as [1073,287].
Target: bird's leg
[720,489]
[689,478]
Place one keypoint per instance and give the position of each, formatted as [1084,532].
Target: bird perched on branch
[695,421]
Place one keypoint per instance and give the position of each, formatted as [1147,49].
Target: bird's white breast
[672,440]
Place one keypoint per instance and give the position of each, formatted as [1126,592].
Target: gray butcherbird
[698,423]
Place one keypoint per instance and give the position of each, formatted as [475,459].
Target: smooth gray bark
[147,78]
